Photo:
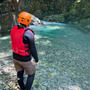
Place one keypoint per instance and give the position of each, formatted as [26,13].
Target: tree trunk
[8,14]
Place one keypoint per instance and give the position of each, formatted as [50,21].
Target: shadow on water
[64,56]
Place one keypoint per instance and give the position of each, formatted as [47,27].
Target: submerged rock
[74,87]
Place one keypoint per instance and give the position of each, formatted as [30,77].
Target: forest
[64,11]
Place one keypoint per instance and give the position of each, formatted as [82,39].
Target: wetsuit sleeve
[28,37]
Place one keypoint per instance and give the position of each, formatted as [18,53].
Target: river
[64,57]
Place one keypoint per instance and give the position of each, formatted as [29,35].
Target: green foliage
[57,10]
[0,4]
[67,11]
[9,0]
[70,9]
[55,18]
[1,1]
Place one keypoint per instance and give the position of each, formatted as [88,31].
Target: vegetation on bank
[64,11]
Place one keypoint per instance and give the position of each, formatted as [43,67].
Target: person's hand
[37,64]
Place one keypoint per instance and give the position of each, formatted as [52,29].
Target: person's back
[23,47]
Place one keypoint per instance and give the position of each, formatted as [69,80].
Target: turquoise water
[64,57]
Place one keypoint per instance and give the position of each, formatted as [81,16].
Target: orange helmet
[24,18]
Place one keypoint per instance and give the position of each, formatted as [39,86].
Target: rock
[74,87]
[35,20]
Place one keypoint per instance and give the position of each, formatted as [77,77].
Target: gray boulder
[35,20]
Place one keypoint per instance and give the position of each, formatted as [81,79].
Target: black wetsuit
[28,39]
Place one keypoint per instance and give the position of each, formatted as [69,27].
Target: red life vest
[17,44]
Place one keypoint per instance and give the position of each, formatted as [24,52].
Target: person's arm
[29,36]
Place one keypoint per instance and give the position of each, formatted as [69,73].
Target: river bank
[6,22]
[83,23]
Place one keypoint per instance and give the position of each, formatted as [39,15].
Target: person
[23,47]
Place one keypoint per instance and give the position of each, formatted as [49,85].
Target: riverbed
[63,52]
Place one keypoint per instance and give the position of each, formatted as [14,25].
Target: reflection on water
[63,52]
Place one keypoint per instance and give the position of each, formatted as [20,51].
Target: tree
[8,13]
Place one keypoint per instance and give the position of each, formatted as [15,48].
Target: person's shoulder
[14,27]
[29,31]
[29,34]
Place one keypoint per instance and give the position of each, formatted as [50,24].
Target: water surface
[64,57]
